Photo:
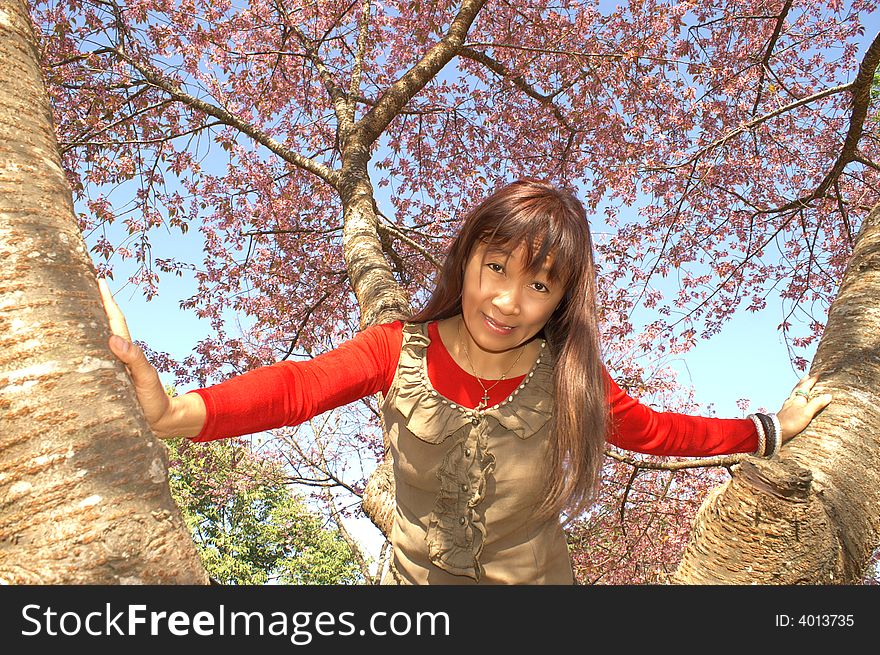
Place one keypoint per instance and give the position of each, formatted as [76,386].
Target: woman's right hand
[154,402]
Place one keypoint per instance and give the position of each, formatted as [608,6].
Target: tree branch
[679,464]
[388,229]
[171,88]
[357,70]
[67,145]
[414,80]
[337,95]
[304,322]
[861,99]
[502,71]
[752,124]
[618,56]
[865,161]
[353,545]
[140,142]
[765,63]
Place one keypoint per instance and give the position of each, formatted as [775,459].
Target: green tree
[875,90]
[248,526]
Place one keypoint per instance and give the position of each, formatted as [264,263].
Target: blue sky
[747,359]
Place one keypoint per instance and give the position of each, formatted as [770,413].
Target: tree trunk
[84,495]
[381,300]
[811,515]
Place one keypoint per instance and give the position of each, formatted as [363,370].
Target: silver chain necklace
[485,400]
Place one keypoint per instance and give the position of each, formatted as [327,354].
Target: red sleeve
[639,428]
[289,393]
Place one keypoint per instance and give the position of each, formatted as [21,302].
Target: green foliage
[248,526]
[875,89]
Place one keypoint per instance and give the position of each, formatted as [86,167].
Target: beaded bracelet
[773,432]
[762,439]
[777,428]
[770,432]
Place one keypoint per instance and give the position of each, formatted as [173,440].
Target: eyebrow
[495,250]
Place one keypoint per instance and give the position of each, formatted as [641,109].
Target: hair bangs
[544,236]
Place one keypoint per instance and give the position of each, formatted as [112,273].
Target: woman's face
[503,306]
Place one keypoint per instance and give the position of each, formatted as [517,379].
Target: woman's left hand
[800,407]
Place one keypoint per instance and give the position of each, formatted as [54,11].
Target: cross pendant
[485,401]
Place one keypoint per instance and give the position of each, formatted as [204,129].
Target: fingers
[114,314]
[805,384]
[804,390]
[820,401]
[130,354]
[150,393]
[121,348]
[142,372]
[153,399]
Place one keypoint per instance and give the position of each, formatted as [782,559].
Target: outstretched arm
[286,393]
[639,428]
[289,393]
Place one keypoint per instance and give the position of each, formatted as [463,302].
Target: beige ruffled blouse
[468,481]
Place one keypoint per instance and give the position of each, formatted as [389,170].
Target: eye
[491,264]
[543,288]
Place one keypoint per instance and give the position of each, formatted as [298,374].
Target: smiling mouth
[497,325]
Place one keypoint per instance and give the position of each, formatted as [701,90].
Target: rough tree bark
[84,495]
[812,514]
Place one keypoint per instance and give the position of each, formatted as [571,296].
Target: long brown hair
[546,219]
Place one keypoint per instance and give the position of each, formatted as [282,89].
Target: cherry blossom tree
[84,495]
[325,151]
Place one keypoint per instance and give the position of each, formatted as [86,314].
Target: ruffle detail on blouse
[456,527]
[428,415]
[532,406]
[432,418]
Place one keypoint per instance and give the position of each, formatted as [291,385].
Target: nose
[506,300]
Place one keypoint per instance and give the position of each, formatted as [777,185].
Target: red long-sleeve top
[289,393]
